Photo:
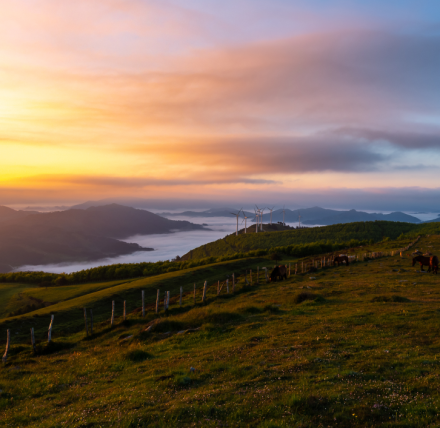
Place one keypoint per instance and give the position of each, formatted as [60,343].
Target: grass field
[362,350]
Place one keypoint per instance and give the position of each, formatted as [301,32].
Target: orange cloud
[140,89]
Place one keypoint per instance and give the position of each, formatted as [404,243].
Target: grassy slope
[27,295]
[9,292]
[336,233]
[345,361]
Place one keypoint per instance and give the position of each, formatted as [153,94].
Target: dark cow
[340,259]
[279,272]
[424,261]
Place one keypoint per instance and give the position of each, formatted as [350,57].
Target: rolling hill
[372,230]
[349,346]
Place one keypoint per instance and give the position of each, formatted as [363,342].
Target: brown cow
[279,272]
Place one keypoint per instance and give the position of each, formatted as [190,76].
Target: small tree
[275,256]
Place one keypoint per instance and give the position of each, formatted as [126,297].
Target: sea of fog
[166,246]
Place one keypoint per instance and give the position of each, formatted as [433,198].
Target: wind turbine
[271,209]
[237,215]
[299,219]
[262,215]
[284,223]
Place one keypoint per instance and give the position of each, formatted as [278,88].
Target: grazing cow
[424,261]
[340,259]
[279,272]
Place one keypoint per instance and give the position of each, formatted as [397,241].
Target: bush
[275,256]
[164,325]
[272,309]
[222,317]
[53,347]
[305,295]
[182,380]
[251,310]
[137,356]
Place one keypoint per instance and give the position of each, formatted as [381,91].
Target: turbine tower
[271,209]
[237,215]
[299,221]
[256,220]
[284,223]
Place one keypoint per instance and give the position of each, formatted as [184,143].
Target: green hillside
[352,346]
[361,231]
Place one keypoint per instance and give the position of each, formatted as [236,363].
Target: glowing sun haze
[210,99]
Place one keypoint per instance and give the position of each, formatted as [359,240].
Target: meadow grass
[8,293]
[362,349]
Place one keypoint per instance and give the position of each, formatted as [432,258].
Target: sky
[315,102]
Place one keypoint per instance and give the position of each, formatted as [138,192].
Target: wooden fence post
[91,322]
[233,283]
[157,301]
[143,303]
[302,269]
[8,342]
[49,335]
[194,293]
[296,269]
[250,276]
[289,270]
[168,299]
[125,310]
[218,286]
[33,340]
[113,313]
[227,286]
[205,285]
[85,320]
[181,292]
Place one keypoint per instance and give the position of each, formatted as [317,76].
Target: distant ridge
[76,235]
[355,216]
[309,216]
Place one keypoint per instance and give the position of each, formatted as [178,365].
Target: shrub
[275,256]
[251,310]
[182,380]
[305,295]
[137,356]
[165,325]
[222,317]
[272,309]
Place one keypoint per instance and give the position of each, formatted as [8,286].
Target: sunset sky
[230,100]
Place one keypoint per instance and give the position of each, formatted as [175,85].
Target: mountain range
[31,238]
[309,216]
